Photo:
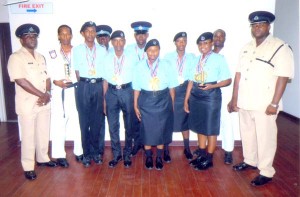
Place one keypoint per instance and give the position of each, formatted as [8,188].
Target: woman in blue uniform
[153,83]
[203,99]
[182,62]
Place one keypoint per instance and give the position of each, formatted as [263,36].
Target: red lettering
[37,5]
[24,5]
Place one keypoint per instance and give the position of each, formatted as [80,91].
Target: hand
[206,87]
[44,99]
[186,107]
[137,113]
[63,83]
[232,107]
[271,110]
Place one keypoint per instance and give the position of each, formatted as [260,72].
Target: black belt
[118,87]
[91,80]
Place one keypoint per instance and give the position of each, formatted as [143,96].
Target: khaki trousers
[259,140]
[34,130]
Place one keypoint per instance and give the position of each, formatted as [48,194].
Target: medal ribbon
[66,56]
[153,70]
[180,64]
[137,52]
[91,56]
[202,62]
[118,65]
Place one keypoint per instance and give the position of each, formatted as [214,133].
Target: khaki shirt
[258,79]
[22,64]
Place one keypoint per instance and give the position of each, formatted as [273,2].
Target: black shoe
[228,158]
[86,161]
[167,157]
[260,180]
[243,166]
[30,175]
[149,163]
[62,162]
[127,162]
[159,163]
[78,158]
[197,152]
[188,154]
[50,164]
[135,150]
[198,160]
[204,165]
[114,162]
[98,159]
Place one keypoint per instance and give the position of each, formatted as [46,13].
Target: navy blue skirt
[205,110]
[180,116]
[157,117]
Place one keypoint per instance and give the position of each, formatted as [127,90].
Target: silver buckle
[118,87]
[93,80]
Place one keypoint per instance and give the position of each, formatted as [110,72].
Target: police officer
[119,67]
[265,65]
[153,83]
[88,59]
[64,115]
[27,68]
[203,99]
[183,63]
[103,36]
[141,34]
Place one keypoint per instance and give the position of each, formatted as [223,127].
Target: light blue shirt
[186,66]
[124,72]
[135,50]
[215,67]
[81,60]
[165,73]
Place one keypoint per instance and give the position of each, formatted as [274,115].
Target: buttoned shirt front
[22,65]
[258,79]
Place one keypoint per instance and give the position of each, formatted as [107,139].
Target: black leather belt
[118,87]
[91,80]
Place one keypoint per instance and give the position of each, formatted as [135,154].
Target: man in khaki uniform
[27,69]
[265,66]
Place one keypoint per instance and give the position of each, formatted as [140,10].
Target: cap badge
[183,34]
[121,34]
[256,18]
[202,38]
[140,27]
[154,42]
[31,29]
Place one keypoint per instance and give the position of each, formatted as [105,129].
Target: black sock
[148,153]
[186,143]
[202,152]
[166,147]
[209,156]
[159,152]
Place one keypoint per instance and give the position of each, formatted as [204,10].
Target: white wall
[167,17]
[287,28]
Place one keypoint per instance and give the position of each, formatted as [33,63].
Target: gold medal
[92,72]
[115,78]
[180,80]
[154,83]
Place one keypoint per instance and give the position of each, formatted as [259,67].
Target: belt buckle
[93,81]
[118,87]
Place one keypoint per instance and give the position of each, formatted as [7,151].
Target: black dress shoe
[188,154]
[260,180]
[62,162]
[196,161]
[228,158]
[204,165]
[167,157]
[86,161]
[78,158]
[243,166]
[50,164]
[197,152]
[114,162]
[135,150]
[30,175]
[98,159]
[159,163]
[127,162]
[149,163]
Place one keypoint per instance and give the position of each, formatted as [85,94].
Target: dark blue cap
[180,35]
[103,30]
[205,36]
[86,25]
[150,43]
[141,27]
[27,29]
[261,16]
[117,34]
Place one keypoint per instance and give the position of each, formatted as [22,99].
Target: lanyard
[202,61]
[138,54]
[118,64]
[67,56]
[90,56]
[153,70]
[180,64]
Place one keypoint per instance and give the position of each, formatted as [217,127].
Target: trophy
[201,78]
[67,74]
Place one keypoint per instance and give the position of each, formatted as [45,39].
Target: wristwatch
[48,92]
[274,105]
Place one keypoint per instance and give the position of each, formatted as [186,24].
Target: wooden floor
[176,179]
